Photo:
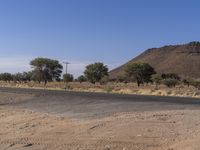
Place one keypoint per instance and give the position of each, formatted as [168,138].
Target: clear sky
[85,31]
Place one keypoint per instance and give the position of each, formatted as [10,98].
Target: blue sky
[85,31]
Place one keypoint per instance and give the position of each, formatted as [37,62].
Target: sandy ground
[22,129]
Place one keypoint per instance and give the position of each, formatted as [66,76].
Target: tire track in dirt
[77,144]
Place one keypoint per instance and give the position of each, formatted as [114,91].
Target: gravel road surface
[87,105]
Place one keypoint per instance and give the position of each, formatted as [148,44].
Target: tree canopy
[46,69]
[95,72]
[140,72]
[6,76]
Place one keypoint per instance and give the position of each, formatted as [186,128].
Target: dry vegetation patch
[121,88]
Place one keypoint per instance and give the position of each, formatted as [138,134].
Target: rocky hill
[181,59]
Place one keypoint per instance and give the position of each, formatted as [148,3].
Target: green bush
[170,82]
[171,76]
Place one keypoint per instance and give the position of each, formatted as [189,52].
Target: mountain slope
[181,59]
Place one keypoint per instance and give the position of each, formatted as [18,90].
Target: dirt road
[51,120]
[86,105]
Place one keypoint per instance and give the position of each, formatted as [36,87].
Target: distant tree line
[18,77]
[48,70]
[143,73]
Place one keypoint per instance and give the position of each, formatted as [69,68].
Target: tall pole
[66,63]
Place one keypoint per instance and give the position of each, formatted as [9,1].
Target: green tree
[18,77]
[68,78]
[6,77]
[27,76]
[81,79]
[95,72]
[46,69]
[140,72]
[37,75]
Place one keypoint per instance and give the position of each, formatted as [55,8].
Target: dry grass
[120,88]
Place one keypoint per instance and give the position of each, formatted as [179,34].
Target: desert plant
[140,72]
[171,76]
[170,82]
[95,72]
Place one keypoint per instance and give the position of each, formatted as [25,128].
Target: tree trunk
[45,82]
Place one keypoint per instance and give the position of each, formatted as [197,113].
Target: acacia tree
[140,72]
[46,69]
[95,72]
